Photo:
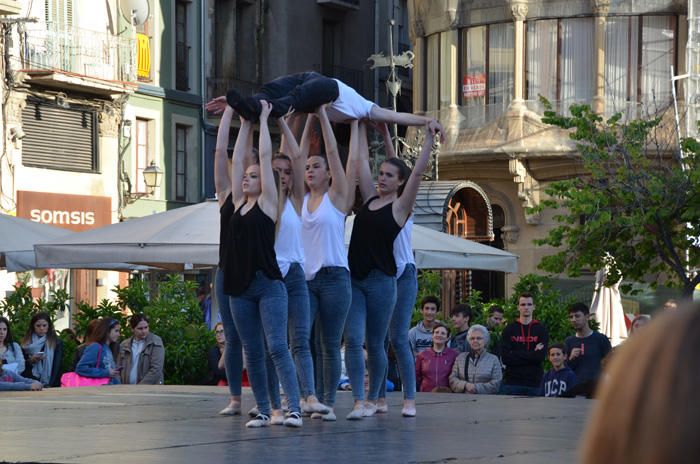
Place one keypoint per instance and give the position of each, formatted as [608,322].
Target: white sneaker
[330,417]
[370,409]
[231,411]
[253,412]
[316,407]
[293,420]
[261,420]
[357,413]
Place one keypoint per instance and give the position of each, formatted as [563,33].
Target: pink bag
[73,380]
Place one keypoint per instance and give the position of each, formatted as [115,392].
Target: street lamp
[152,176]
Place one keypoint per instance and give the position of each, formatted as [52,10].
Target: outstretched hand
[434,127]
[266,107]
[216,105]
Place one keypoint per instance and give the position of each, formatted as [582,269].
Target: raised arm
[380,115]
[268,198]
[404,204]
[383,129]
[291,149]
[367,189]
[352,167]
[238,161]
[338,191]
[222,178]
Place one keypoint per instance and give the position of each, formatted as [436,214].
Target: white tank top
[403,251]
[288,246]
[323,237]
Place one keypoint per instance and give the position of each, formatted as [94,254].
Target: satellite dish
[135,11]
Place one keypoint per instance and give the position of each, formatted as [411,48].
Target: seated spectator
[101,353]
[12,381]
[419,337]
[639,322]
[43,351]
[434,365]
[81,348]
[476,371]
[11,355]
[215,357]
[558,380]
[645,413]
[142,355]
[461,315]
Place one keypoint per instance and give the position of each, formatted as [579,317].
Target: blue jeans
[299,335]
[329,297]
[406,291]
[260,314]
[233,356]
[373,300]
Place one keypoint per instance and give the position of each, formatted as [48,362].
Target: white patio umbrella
[607,307]
[189,236]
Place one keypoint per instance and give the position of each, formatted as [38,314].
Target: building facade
[481,66]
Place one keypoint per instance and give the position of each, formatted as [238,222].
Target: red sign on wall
[474,85]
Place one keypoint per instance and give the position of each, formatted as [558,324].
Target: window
[59,138]
[144,48]
[59,13]
[181,162]
[487,65]
[142,155]
[639,53]
[560,60]
[182,47]
[432,76]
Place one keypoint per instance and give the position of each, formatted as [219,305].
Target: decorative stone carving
[109,123]
[510,233]
[519,10]
[528,189]
[15,104]
[418,31]
[601,7]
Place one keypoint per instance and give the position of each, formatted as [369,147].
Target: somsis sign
[74,212]
[63,217]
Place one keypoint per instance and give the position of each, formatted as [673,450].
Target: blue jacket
[556,383]
[90,366]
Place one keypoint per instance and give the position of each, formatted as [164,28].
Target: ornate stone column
[418,37]
[601,8]
[519,10]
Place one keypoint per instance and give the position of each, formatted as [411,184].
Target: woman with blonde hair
[644,414]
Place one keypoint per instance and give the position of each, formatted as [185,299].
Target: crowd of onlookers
[477,359]
[34,361]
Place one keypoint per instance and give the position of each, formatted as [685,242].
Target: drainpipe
[203,93]
[376,50]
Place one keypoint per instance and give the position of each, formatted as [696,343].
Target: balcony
[78,58]
[340,4]
[10,7]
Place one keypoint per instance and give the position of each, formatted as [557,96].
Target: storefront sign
[74,212]
[474,85]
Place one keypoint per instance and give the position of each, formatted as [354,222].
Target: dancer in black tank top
[233,353]
[373,268]
[252,277]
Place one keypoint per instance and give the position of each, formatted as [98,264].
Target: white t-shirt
[137,347]
[288,246]
[403,251]
[349,105]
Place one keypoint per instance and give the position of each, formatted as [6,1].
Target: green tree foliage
[636,210]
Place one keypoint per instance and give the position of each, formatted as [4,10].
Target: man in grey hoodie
[420,337]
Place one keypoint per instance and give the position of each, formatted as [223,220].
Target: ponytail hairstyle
[404,171]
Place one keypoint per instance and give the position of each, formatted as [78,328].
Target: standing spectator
[434,365]
[99,359]
[560,378]
[523,348]
[142,355]
[495,323]
[476,371]
[216,358]
[204,298]
[639,322]
[11,356]
[43,351]
[419,337]
[585,350]
[461,315]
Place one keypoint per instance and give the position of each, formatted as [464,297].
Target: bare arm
[291,149]
[222,179]
[268,201]
[238,162]
[388,143]
[353,165]
[403,206]
[338,191]
[367,189]
[406,119]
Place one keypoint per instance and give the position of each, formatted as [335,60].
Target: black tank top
[372,241]
[225,214]
[251,248]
